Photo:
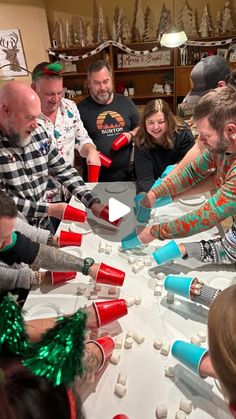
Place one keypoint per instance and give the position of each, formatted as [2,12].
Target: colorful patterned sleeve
[220,206]
[193,173]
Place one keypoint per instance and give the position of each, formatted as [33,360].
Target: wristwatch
[87,263]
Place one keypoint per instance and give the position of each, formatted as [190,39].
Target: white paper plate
[221,280]
[42,310]
[193,201]
[116,187]
[61,305]
[73,250]
[83,228]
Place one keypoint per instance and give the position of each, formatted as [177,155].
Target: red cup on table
[104,215]
[105,161]
[109,311]
[107,345]
[74,214]
[119,142]
[67,238]
[58,277]
[93,172]
[108,275]
[120,416]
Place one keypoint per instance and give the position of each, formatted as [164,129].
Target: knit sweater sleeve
[16,276]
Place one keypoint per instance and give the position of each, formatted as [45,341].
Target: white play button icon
[117,209]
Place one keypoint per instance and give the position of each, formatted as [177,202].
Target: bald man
[28,155]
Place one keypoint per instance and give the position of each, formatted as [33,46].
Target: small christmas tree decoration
[56,35]
[62,34]
[205,25]
[119,25]
[164,22]
[150,26]
[187,20]
[101,28]
[139,24]
[113,32]
[217,25]
[227,23]
[126,35]
[89,35]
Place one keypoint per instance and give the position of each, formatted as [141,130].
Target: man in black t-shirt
[105,116]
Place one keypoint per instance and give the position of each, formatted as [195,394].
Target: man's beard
[221,146]
[18,140]
[102,98]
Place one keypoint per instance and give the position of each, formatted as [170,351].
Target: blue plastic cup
[137,200]
[188,354]
[167,170]
[143,214]
[178,284]
[131,241]
[164,200]
[156,183]
[166,253]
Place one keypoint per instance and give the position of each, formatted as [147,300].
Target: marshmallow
[130,333]
[132,259]
[138,338]
[158,290]
[160,276]
[137,300]
[115,358]
[101,247]
[161,411]
[128,342]
[196,340]
[147,260]
[186,405]
[108,249]
[129,301]
[169,371]
[120,390]
[165,349]
[180,414]
[137,267]
[122,378]
[170,298]
[202,335]
[118,343]
[157,344]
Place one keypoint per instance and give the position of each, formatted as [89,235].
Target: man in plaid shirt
[28,156]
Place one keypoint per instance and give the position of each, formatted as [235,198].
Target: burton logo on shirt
[110,123]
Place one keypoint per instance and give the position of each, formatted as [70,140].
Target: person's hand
[97,209]
[92,319]
[57,210]
[93,158]
[182,249]
[196,287]
[93,270]
[149,200]
[144,234]
[206,368]
[46,277]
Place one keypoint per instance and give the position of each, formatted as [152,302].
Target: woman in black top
[162,140]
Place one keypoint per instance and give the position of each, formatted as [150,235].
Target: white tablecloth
[154,318]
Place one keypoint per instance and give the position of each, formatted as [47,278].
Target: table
[154,318]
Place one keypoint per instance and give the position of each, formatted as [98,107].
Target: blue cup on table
[137,200]
[166,253]
[167,170]
[188,354]
[131,241]
[178,284]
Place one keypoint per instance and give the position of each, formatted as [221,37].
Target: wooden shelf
[75,74]
[143,69]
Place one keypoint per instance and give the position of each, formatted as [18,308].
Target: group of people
[39,131]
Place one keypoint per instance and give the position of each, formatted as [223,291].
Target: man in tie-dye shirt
[215,116]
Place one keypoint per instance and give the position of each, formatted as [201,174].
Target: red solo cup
[67,238]
[104,215]
[105,161]
[109,311]
[120,142]
[74,214]
[120,416]
[58,277]
[108,275]
[93,172]
[107,345]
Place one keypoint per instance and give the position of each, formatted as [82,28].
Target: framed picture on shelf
[12,57]
[222,52]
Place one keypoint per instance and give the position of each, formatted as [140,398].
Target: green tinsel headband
[53,69]
[58,356]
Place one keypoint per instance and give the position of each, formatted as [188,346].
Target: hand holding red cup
[108,275]
[105,161]
[109,311]
[67,238]
[120,142]
[74,214]
[104,215]
[93,172]
[58,277]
